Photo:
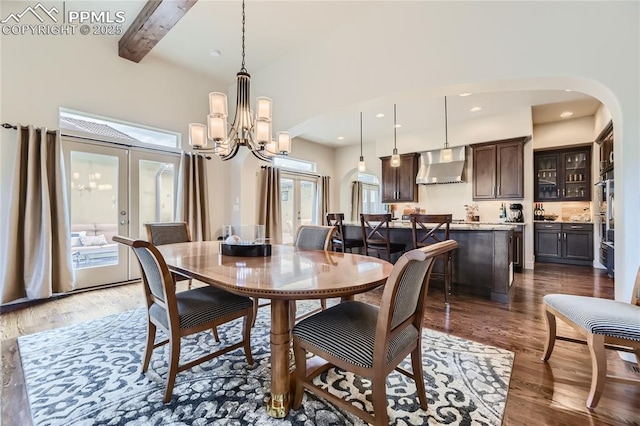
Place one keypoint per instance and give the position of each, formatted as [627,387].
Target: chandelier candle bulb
[218,104]
[264,108]
[197,135]
[284,141]
[217,128]
[263,131]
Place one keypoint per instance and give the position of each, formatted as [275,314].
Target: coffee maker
[515,213]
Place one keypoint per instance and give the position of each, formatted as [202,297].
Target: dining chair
[160,233]
[424,231]
[340,242]
[604,324]
[312,237]
[184,313]
[376,235]
[371,341]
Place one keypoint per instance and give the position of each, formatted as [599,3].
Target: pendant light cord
[361,135]
[243,69]
[395,126]
[446,129]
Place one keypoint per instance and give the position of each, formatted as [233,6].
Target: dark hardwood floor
[552,393]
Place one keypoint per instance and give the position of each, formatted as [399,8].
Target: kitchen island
[482,263]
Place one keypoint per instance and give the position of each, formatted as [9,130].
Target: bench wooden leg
[598,368]
[550,321]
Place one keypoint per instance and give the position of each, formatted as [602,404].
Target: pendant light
[361,166]
[395,158]
[446,154]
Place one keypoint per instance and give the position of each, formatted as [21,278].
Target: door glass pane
[575,174]
[288,216]
[94,205]
[307,203]
[156,192]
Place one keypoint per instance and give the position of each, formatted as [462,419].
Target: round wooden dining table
[287,275]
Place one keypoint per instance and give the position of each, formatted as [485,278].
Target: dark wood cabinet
[562,175]
[498,169]
[399,183]
[564,243]
[605,140]
[518,248]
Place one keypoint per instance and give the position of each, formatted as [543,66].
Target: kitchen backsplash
[489,211]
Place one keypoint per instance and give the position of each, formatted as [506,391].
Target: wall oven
[607,221]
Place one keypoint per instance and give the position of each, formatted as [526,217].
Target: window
[370,193]
[75,123]
[294,164]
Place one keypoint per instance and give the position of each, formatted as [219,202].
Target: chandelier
[246,130]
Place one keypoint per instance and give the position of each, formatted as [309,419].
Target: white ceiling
[275,29]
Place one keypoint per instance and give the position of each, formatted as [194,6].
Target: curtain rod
[298,172]
[11,126]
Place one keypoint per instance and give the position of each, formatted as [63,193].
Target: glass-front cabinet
[563,175]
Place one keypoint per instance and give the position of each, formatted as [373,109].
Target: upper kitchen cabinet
[399,183]
[498,169]
[562,175]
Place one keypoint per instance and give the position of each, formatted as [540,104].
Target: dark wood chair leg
[550,321]
[148,350]
[416,365]
[174,358]
[301,372]
[246,337]
[215,334]
[379,398]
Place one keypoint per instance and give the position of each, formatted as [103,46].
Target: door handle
[565,236]
[611,157]
[559,236]
[498,189]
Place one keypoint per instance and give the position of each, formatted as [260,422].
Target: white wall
[577,131]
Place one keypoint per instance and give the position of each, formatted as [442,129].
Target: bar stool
[423,229]
[376,235]
[340,243]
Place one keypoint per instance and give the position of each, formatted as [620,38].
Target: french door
[299,201]
[114,191]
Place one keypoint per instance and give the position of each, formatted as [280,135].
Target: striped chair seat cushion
[599,316]
[201,305]
[347,331]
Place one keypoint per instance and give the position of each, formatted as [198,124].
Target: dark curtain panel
[269,205]
[195,208]
[38,261]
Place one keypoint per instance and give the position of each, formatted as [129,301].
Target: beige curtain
[38,242]
[194,207]
[325,181]
[269,205]
[356,201]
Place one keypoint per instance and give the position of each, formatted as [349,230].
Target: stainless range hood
[435,169]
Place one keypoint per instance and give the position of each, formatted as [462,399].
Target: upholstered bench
[605,324]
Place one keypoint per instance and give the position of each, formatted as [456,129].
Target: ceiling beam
[153,22]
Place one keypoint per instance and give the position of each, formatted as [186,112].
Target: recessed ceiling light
[567,90]
[340,138]
[215,53]
[566,114]
[475,109]
[465,94]
[379,115]
[397,126]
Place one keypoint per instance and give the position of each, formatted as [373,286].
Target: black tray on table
[246,250]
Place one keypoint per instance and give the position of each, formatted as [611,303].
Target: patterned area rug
[89,374]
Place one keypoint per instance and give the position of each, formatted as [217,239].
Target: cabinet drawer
[548,226]
[577,226]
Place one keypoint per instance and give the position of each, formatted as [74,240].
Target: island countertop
[482,263]
[466,226]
